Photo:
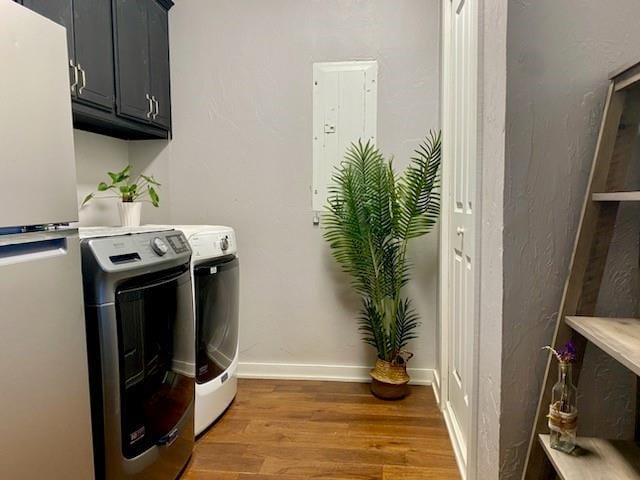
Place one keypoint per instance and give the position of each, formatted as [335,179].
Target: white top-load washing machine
[215,279]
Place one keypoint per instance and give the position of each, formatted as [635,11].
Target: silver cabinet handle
[75,76]
[150,112]
[460,231]
[155,101]
[83,76]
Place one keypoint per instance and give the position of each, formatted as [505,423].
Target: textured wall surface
[242,154]
[559,55]
[492,102]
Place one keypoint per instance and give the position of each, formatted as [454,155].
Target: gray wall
[242,98]
[559,55]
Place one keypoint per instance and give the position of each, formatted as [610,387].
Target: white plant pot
[130,213]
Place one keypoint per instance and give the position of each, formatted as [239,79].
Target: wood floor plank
[225,457]
[312,386]
[369,419]
[211,475]
[253,386]
[265,405]
[395,472]
[295,430]
[302,401]
[306,434]
[367,399]
[227,424]
[359,455]
[265,476]
[399,431]
[315,469]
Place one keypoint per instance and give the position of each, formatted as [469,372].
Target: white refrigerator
[45,413]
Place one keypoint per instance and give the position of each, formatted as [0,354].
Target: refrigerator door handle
[32,251]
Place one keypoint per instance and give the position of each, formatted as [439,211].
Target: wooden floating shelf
[616,197]
[619,337]
[596,459]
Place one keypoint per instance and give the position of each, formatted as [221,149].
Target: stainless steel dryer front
[141,353]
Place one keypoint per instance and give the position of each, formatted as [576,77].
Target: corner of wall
[95,156]
[492,121]
[152,157]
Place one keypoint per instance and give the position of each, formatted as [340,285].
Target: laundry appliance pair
[161,307]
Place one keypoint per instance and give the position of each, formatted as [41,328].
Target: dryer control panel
[212,244]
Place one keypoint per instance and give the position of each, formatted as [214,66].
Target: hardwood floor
[291,430]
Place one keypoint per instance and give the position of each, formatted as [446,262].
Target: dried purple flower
[566,354]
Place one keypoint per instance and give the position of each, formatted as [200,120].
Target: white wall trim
[335,373]
[444,284]
[435,383]
[455,442]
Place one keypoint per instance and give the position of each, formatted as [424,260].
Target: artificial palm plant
[372,215]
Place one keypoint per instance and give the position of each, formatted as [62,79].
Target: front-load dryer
[215,280]
[139,314]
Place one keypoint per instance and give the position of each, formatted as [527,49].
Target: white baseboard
[335,373]
[455,442]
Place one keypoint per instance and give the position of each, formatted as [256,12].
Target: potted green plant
[372,214]
[130,192]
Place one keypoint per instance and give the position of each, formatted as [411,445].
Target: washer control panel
[159,246]
[125,252]
[178,242]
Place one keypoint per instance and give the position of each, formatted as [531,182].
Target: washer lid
[190,230]
[95,232]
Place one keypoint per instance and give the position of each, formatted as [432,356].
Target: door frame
[467,468]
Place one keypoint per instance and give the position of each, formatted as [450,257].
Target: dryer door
[216,287]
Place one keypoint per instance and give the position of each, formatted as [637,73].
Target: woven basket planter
[389,381]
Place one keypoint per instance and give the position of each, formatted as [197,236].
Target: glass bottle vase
[563,411]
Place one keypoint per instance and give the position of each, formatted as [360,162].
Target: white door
[460,134]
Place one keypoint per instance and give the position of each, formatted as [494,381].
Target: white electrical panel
[345,102]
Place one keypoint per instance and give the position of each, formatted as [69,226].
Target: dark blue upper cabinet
[159,64]
[142,61]
[93,39]
[131,31]
[118,64]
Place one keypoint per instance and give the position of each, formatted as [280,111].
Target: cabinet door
[159,62]
[60,11]
[132,59]
[94,52]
